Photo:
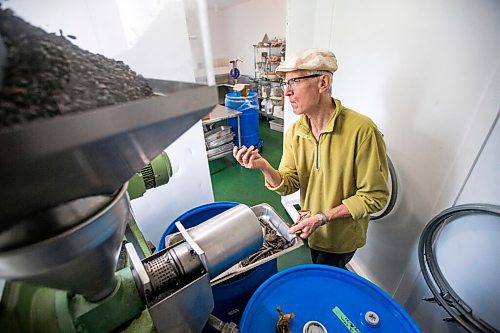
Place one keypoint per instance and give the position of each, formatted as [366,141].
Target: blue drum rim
[316,267]
[251,94]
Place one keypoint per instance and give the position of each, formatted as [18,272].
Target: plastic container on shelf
[269,107]
[263,105]
[249,119]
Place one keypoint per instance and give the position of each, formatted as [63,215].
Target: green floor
[231,182]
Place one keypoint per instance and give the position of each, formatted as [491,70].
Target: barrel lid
[340,300]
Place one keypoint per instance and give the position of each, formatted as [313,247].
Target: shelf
[268,81]
[222,113]
[265,114]
[277,124]
[268,86]
[269,46]
[219,113]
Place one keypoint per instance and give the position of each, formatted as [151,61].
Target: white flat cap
[309,59]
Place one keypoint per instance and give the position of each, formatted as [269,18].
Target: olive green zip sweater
[347,165]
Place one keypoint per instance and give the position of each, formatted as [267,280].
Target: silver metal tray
[224,153]
[219,150]
[220,141]
[216,133]
[267,214]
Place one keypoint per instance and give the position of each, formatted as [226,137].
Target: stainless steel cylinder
[224,239]
[228,238]
[188,262]
[172,268]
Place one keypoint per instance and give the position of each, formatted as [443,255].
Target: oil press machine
[65,217]
[65,210]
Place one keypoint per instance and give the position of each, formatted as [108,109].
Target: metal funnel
[81,257]
[95,151]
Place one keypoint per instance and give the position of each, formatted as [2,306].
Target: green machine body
[152,175]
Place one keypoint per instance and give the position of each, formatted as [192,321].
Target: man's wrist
[265,164]
[322,218]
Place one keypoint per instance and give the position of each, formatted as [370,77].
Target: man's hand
[249,157]
[305,226]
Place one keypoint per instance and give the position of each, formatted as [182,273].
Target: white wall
[152,38]
[189,186]
[414,69]
[428,74]
[483,183]
[218,35]
[244,25]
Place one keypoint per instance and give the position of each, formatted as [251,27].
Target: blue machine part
[234,73]
[337,299]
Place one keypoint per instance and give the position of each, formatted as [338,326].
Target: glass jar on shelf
[263,104]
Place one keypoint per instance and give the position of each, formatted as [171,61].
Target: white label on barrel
[343,318]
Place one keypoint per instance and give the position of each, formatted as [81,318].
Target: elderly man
[334,155]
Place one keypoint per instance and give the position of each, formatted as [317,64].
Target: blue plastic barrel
[230,297]
[249,119]
[339,300]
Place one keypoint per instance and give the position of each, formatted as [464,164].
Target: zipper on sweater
[317,152]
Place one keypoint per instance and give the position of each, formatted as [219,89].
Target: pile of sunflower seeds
[46,75]
[273,243]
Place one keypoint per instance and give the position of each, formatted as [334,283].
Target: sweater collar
[304,128]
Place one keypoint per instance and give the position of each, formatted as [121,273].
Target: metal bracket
[193,244]
[449,320]
[430,299]
[140,273]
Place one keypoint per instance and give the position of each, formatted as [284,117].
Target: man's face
[302,90]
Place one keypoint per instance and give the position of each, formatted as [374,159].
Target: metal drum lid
[334,300]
